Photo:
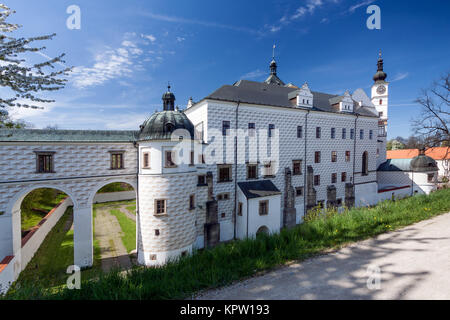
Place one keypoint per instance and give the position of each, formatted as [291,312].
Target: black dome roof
[423,163]
[380,75]
[161,125]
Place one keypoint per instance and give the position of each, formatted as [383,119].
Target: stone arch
[18,197]
[14,209]
[105,183]
[94,191]
[262,230]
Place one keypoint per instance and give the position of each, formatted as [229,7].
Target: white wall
[114,196]
[255,221]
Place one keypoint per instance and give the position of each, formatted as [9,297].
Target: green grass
[49,264]
[240,259]
[132,208]
[128,227]
[42,199]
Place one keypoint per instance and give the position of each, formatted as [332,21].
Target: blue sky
[126,52]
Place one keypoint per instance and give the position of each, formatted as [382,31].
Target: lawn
[37,204]
[48,266]
[128,227]
[237,260]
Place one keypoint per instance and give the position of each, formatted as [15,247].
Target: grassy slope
[30,218]
[49,264]
[240,259]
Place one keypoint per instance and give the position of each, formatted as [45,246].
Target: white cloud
[150,37]
[309,8]
[360,4]
[254,74]
[108,65]
[400,76]
[180,39]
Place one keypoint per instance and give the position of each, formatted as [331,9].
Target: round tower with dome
[167,182]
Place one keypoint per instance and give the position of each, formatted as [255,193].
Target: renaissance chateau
[250,157]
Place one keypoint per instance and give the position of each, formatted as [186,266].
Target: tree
[394,144]
[434,122]
[23,79]
[7,122]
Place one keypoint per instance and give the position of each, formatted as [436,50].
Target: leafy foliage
[23,79]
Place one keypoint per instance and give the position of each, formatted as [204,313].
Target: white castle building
[250,157]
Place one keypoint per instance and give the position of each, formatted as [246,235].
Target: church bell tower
[380,95]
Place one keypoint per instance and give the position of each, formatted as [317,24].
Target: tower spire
[380,75]
[168,99]
[273,64]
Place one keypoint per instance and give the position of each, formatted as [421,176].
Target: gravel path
[413,263]
[108,233]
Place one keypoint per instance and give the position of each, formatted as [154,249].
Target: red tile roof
[437,153]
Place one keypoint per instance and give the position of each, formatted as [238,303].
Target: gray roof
[395,165]
[421,163]
[257,189]
[39,135]
[161,125]
[262,93]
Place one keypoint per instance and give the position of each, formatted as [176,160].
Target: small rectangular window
[225,127]
[251,129]
[271,129]
[317,180]
[252,171]
[170,159]
[297,167]
[240,209]
[333,156]
[318,132]
[333,133]
[317,157]
[333,177]
[192,158]
[370,134]
[201,180]
[224,173]
[160,206]
[117,160]
[431,177]
[352,134]
[146,160]
[343,176]
[299,132]
[347,156]
[344,133]
[299,191]
[361,134]
[44,162]
[264,207]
